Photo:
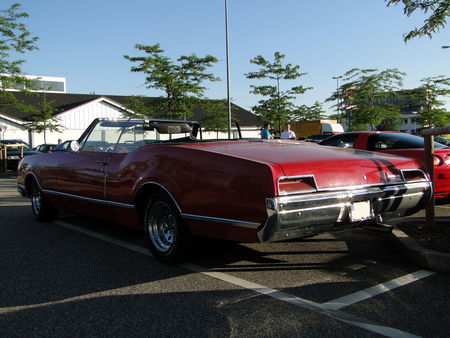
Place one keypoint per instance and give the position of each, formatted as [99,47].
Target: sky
[85,41]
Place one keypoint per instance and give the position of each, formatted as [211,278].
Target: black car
[317,137]
[14,152]
[46,148]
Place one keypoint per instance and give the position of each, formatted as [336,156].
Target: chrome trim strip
[402,196]
[339,205]
[232,222]
[94,200]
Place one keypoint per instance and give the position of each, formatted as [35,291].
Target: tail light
[413,175]
[296,185]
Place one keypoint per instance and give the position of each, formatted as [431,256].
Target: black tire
[41,207]
[167,235]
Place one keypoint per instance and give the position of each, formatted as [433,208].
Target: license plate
[360,211]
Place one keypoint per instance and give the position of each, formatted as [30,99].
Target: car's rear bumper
[298,216]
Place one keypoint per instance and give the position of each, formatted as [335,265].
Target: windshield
[123,136]
[396,141]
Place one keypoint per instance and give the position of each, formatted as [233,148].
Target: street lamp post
[337,99]
[228,69]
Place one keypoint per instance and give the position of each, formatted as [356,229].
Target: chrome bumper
[298,216]
[22,190]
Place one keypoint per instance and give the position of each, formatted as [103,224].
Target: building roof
[63,102]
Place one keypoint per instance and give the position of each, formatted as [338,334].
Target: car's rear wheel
[42,209]
[167,235]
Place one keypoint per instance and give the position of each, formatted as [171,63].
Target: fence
[4,154]
[428,135]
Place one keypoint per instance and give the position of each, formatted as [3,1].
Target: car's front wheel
[167,235]
[41,207]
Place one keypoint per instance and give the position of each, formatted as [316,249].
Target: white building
[77,111]
[42,84]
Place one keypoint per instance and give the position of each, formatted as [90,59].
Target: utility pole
[337,98]
[228,69]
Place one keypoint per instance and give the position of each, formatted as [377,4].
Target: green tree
[365,97]
[138,108]
[432,113]
[308,113]
[439,10]
[215,115]
[181,81]
[14,39]
[277,103]
[43,118]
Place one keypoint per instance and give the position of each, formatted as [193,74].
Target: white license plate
[360,211]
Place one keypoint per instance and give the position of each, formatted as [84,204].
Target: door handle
[102,162]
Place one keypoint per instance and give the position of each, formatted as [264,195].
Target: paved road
[80,277]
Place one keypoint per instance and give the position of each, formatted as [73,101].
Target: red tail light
[413,175]
[296,185]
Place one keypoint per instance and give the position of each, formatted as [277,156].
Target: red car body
[400,144]
[243,190]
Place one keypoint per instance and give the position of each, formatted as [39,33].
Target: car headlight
[13,157]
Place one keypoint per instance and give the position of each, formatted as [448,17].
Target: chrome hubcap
[162,226]
[36,200]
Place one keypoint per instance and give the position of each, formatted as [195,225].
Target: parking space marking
[300,302]
[260,289]
[105,238]
[373,291]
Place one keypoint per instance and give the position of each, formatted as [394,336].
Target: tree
[181,82]
[439,11]
[432,113]
[215,115]
[365,97]
[307,113]
[277,104]
[43,118]
[138,108]
[14,39]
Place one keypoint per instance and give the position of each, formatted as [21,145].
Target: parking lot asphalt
[59,279]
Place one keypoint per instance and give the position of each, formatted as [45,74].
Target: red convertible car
[401,144]
[161,176]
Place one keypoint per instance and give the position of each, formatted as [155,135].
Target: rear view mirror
[74,146]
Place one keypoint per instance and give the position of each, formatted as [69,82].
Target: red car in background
[402,144]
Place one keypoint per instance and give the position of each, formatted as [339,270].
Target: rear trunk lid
[331,167]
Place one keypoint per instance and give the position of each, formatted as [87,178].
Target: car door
[83,173]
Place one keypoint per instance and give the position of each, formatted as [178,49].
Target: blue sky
[85,41]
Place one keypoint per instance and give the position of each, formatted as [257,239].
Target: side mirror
[74,146]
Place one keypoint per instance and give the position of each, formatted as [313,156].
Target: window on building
[50,85]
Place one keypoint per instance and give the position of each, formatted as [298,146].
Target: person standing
[287,132]
[265,132]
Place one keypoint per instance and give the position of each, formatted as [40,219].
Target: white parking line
[373,291]
[260,289]
[105,238]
